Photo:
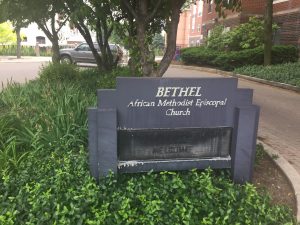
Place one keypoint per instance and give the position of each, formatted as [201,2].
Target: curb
[24,59]
[224,73]
[289,171]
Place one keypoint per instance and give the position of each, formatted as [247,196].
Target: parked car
[83,54]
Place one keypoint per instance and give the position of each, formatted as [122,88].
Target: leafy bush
[200,56]
[233,59]
[25,50]
[284,54]
[288,73]
[218,39]
[245,36]
[12,49]
[59,73]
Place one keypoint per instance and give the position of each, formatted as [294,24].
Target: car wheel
[66,59]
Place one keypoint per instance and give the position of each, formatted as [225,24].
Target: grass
[288,73]
[44,176]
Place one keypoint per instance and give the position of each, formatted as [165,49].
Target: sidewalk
[23,59]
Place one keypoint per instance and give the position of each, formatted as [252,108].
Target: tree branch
[63,23]
[130,9]
[152,14]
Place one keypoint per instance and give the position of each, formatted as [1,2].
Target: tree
[50,18]
[12,10]
[268,33]
[148,18]
[100,17]
[268,21]
[7,35]
[48,15]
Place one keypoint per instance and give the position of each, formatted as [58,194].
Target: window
[199,27]
[193,24]
[279,1]
[40,40]
[83,47]
[200,7]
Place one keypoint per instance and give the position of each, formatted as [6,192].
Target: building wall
[253,7]
[286,13]
[183,29]
[211,18]
[287,16]
[66,35]
[31,33]
[195,35]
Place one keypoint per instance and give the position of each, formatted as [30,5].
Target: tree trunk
[146,59]
[268,33]
[18,32]
[172,27]
[55,50]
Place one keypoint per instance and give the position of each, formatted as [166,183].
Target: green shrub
[233,59]
[288,73]
[12,49]
[59,72]
[284,54]
[200,56]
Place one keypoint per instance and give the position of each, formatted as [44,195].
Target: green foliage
[158,42]
[44,176]
[288,73]
[62,72]
[218,39]
[7,34]
[203,56]
[235,59]
[25,50]
[260,153]
[245,36]
[284,54]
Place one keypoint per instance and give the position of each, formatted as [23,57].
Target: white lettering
[160,92]
[141,103]
[178,91]
[173,112]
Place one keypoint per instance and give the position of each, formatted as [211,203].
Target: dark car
[83,54]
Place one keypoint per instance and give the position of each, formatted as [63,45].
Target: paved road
[19,72]
[279,124]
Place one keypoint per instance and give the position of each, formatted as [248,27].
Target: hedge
[288,73]
[230,60]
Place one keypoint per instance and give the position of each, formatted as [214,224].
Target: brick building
[286,14]
[190,26]
[183,29]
